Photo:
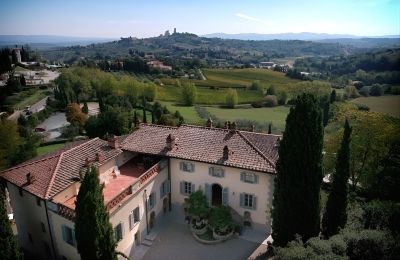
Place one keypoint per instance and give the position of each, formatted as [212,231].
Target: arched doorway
[216,195]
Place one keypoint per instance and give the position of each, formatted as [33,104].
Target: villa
[144,174]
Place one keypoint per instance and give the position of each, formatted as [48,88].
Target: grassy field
[276,115]
[383,104]
[189,113]
[25,98]
[207,96]
[49,148]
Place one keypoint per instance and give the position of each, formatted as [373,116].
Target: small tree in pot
[198,208]
[221,220]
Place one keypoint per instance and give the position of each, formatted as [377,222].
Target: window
[186,188]
[43,227]
[216,172]
[69,235]
[186,166]
[248,177]
[248,201]
[38,201]
[164,188]
[152,200]
[119,231]
[134,218]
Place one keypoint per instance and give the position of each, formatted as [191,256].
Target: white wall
[263,190]
[28,217]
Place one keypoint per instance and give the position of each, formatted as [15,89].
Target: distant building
[266,64]
[16,55]
[174,30]
[166,34]
[159,65]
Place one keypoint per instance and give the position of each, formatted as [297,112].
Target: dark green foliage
[333,96]
[296,203]
[384,215]
[376,90]
[85,108]
[144,116]
[9,249]
[326,114]
[255,85]
[269,128]
[198,205]
[152,117]
[22,80]
[5,62]
[135,118]
[271,91]
[113,121]
[94,233]
[282,98]
[220,218]
[335,214]
[189,94]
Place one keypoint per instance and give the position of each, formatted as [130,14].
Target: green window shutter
[155,199]
[130,219]
[64,232]
[225,196]
[207,190]
[255,178]
[193,188]
[181,166]
[242,174]
[73,237]
[222,173]
[122,230]
[210,171]
[242,200]
[254,202]
[192,167]
[168,186]
[182,187]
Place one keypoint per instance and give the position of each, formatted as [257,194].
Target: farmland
[383,104]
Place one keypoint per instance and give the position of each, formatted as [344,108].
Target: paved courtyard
[176,242]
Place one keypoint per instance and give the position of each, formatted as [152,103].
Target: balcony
[133,176]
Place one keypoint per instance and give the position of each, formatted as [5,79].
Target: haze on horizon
[113,19]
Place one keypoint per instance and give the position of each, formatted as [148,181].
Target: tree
[325,110]
[135,118]
[231,98]
[335,214]
[93,231]
[299,174]
[333,96]
[255,85]
[75,115]
[144,116]
[85,108]
[9,248]
[152,117]
[188,94]
[10,140]
[269,128]
[271,90]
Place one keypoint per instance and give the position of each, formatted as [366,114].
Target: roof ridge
[255,148]
[160,126]
[29,163]
[206,127]
[53,176]
[258,133]
[75,147]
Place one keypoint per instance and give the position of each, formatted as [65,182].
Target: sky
[122,18]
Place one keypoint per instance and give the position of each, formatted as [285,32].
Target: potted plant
[221,221]
[197,207]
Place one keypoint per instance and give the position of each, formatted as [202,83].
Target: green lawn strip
[383,104]
[189,113]
[25,98]
[276,115]
[48,148]
[207,96]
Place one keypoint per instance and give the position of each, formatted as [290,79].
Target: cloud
[253,19]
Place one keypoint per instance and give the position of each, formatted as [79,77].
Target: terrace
[125,182]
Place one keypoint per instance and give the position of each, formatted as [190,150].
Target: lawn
[25,98]
[49,148]
[207,96]
[189,113]
[276,115]
[383,104]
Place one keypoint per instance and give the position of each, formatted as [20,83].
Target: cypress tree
[135,118]
[85,108]
[326,113]
[335,214]
[333,96]
[144,116]
[269,128]
[296,200]
[8,245]
[153,120]
[93,231]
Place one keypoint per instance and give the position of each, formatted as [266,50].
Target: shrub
[395,90]
[255,85]
[270,101]
[197,204]
[256,104]
[231,98]
[351,92]
[189,94]
[362,107]
[282,98]
[364,91]
[376,90]
[271,90]
[220,218]
[368,244]
[382,215]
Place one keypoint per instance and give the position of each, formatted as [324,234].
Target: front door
[216,197]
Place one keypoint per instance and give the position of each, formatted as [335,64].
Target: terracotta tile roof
[52,173]
[247,150]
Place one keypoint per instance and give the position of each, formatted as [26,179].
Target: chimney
[29,178]
[233,127]
[87,162]
[225,155]
[99,157]
[170,143]
[209,122]
[113,142]
[276,145]
[253,128]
